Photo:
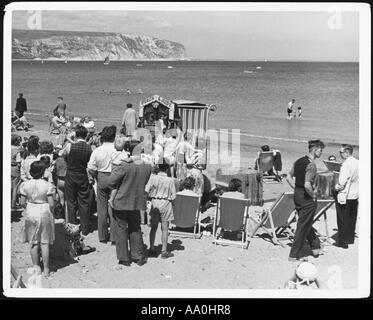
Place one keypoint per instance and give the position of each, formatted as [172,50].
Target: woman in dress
[38,229]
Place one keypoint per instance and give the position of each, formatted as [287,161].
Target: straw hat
[306,271]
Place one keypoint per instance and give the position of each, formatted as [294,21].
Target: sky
[226,35]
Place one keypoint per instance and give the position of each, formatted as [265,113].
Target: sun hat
[306,271]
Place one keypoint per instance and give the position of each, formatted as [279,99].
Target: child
[47,173]
[299,112]
[122,154]
[38,229]
[305,277]
[161,189]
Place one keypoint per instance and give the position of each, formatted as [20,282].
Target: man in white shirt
[99,167]
[348,197]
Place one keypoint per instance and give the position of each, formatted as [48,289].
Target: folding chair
[322,207]
[232,214]
[333,166]
[52,128]
[278,219]
[186,215]
[265,163]
[18,278]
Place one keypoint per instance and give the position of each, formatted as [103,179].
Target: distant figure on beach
[61,107]
[21,105]
[140,91]
[290,108]
[129,120]
[128,91]
[299,112]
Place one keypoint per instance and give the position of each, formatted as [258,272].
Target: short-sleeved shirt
[37,190]
[160,186]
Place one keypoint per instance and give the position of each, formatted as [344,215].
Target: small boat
[139,65]
[170,67]
[258,67]
[107,61]
[248,71]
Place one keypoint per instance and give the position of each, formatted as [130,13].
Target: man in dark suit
[130,180]
[21,105]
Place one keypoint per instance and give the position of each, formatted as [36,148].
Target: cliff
[62,45]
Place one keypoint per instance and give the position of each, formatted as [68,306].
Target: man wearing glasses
[347,197]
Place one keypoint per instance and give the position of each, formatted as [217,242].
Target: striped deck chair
[231,215]
[278,218]
[186,215]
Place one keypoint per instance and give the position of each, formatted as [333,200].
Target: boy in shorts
[162,192]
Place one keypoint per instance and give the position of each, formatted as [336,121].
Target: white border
[364,152]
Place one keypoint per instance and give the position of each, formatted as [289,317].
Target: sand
[198,263]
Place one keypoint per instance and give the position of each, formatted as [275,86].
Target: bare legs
[35,257]
[153,231]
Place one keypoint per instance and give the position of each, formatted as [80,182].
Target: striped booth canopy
[194,117]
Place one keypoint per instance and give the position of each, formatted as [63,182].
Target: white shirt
[349,178]
[101,158]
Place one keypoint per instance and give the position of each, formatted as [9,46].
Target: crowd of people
[123,177]
[114,174]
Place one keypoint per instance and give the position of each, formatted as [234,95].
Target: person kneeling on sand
[161,189]
[304,277]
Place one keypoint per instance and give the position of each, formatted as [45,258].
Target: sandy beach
[200,264]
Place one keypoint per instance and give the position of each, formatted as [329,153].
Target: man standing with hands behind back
[304,171]
[347,197]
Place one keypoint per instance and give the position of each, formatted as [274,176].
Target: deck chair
[186,215]
[53,129]
[278,218]
[17,277]
[321,211]
[265,163]
[333,166]
[232,214]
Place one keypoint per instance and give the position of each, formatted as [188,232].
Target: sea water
[248,98]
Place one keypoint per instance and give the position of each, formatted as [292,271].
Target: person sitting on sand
[161,190]
[38,228]
[304,277]
[61,107]
[19,123]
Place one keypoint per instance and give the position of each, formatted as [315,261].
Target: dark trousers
[304,233]
[104,214]
[77,198]
[346,221]
[127,227]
